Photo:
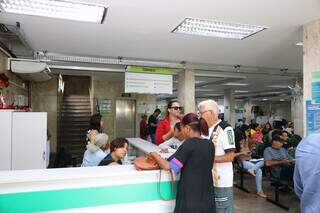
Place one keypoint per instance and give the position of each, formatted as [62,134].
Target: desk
[146,147]
[85,189]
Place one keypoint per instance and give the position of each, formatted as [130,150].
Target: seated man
[118,150]
[280,162]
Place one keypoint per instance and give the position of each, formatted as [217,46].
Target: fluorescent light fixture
[278,86]
[299,43]
[281,99]
[61,9]
[241,91]
[235,84]
[213,28]
[204,90]
[264,99]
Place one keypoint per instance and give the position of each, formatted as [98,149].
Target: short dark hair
[277,138]
[118,143]
[95,122]
[157,110]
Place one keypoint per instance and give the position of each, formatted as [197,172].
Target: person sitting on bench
[280,162]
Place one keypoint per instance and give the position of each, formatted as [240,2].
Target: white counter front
[91,189]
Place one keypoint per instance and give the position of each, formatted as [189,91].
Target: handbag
[146,163]
[149,163]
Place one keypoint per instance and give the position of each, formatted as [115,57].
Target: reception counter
[146,147]
[91,189]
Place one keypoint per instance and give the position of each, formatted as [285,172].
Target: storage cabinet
[23,140]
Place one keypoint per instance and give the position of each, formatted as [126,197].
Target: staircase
[73,122]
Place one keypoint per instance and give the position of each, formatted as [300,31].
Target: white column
[229,106]
[311,60]
[247,113]
[186,90]
[297,113]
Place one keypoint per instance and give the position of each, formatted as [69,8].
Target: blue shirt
[307,173]
[93,158]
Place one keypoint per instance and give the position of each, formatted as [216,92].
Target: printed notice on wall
[316,87]
[105,106]
[313,116]
[146,83]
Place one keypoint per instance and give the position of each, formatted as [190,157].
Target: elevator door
[125,118]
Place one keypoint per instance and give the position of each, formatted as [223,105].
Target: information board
[316,87]
[105,106]
[313,116]
[146,83]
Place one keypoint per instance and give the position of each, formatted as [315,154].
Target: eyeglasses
[201,113]
[176,108]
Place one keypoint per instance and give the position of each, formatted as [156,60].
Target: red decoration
[4,81]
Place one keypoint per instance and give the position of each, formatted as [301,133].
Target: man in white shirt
[222,135]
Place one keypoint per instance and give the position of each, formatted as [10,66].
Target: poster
[105,106]
[313,116]
[316,87]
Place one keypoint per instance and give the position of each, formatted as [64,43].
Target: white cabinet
[23,135]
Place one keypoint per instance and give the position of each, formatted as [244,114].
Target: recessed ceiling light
[278,86]
[281,99]
[299,43]
[213,28]
[62,9]
[241,91]
[235,84]
[264,99]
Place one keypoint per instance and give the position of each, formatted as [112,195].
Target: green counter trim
[26,202]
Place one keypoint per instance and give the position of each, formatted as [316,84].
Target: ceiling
[142,29]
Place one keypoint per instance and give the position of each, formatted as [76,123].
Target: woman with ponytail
[193,160]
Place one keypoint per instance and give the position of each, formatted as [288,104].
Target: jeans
[153,138]
[256,166]
[224,199]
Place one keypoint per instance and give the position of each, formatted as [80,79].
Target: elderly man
[222,135]
[307,173]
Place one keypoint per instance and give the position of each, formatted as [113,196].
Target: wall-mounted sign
[146,83]
[316,87]
[313,116]
[105,106]
[152,70]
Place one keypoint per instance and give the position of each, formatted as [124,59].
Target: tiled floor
[250,203]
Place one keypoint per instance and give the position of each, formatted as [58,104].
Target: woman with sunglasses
[193,160]
[165,127]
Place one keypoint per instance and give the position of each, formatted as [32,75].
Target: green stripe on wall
[26,202]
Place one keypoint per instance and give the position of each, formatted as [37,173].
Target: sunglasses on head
[176,108]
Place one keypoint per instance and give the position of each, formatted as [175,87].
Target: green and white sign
[152,70]
[147,80]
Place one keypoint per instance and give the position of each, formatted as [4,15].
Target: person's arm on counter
[164,164]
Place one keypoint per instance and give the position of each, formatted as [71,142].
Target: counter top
[147,147]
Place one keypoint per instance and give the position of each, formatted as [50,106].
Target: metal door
[125,118]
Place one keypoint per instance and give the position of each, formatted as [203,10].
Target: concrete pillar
[229,107]
[247,113]
[186,90]
[311,60]
[297,113]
